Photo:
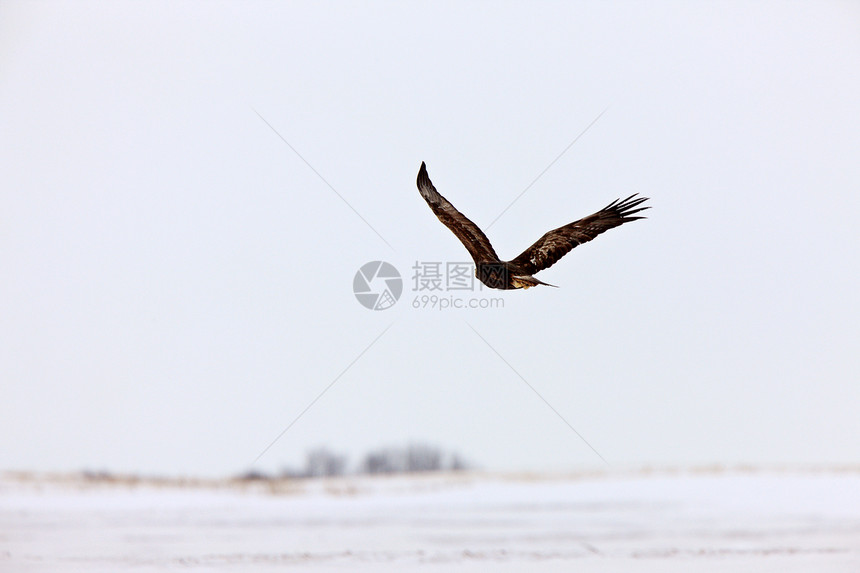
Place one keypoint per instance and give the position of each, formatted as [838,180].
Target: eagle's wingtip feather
[423,177]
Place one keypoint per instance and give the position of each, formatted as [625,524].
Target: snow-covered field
[617,521]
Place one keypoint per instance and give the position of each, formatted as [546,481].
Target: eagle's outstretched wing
[557,243]
[475,241]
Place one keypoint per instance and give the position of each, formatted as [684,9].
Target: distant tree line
[413,458]
[322,462]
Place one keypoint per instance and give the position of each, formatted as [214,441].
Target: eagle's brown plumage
[516,273]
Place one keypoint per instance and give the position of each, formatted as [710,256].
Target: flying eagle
[517,273]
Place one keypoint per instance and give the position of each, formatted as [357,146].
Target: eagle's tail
[528,281]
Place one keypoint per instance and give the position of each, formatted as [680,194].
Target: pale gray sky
[178,282]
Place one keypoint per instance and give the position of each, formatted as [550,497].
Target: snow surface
[636,521]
